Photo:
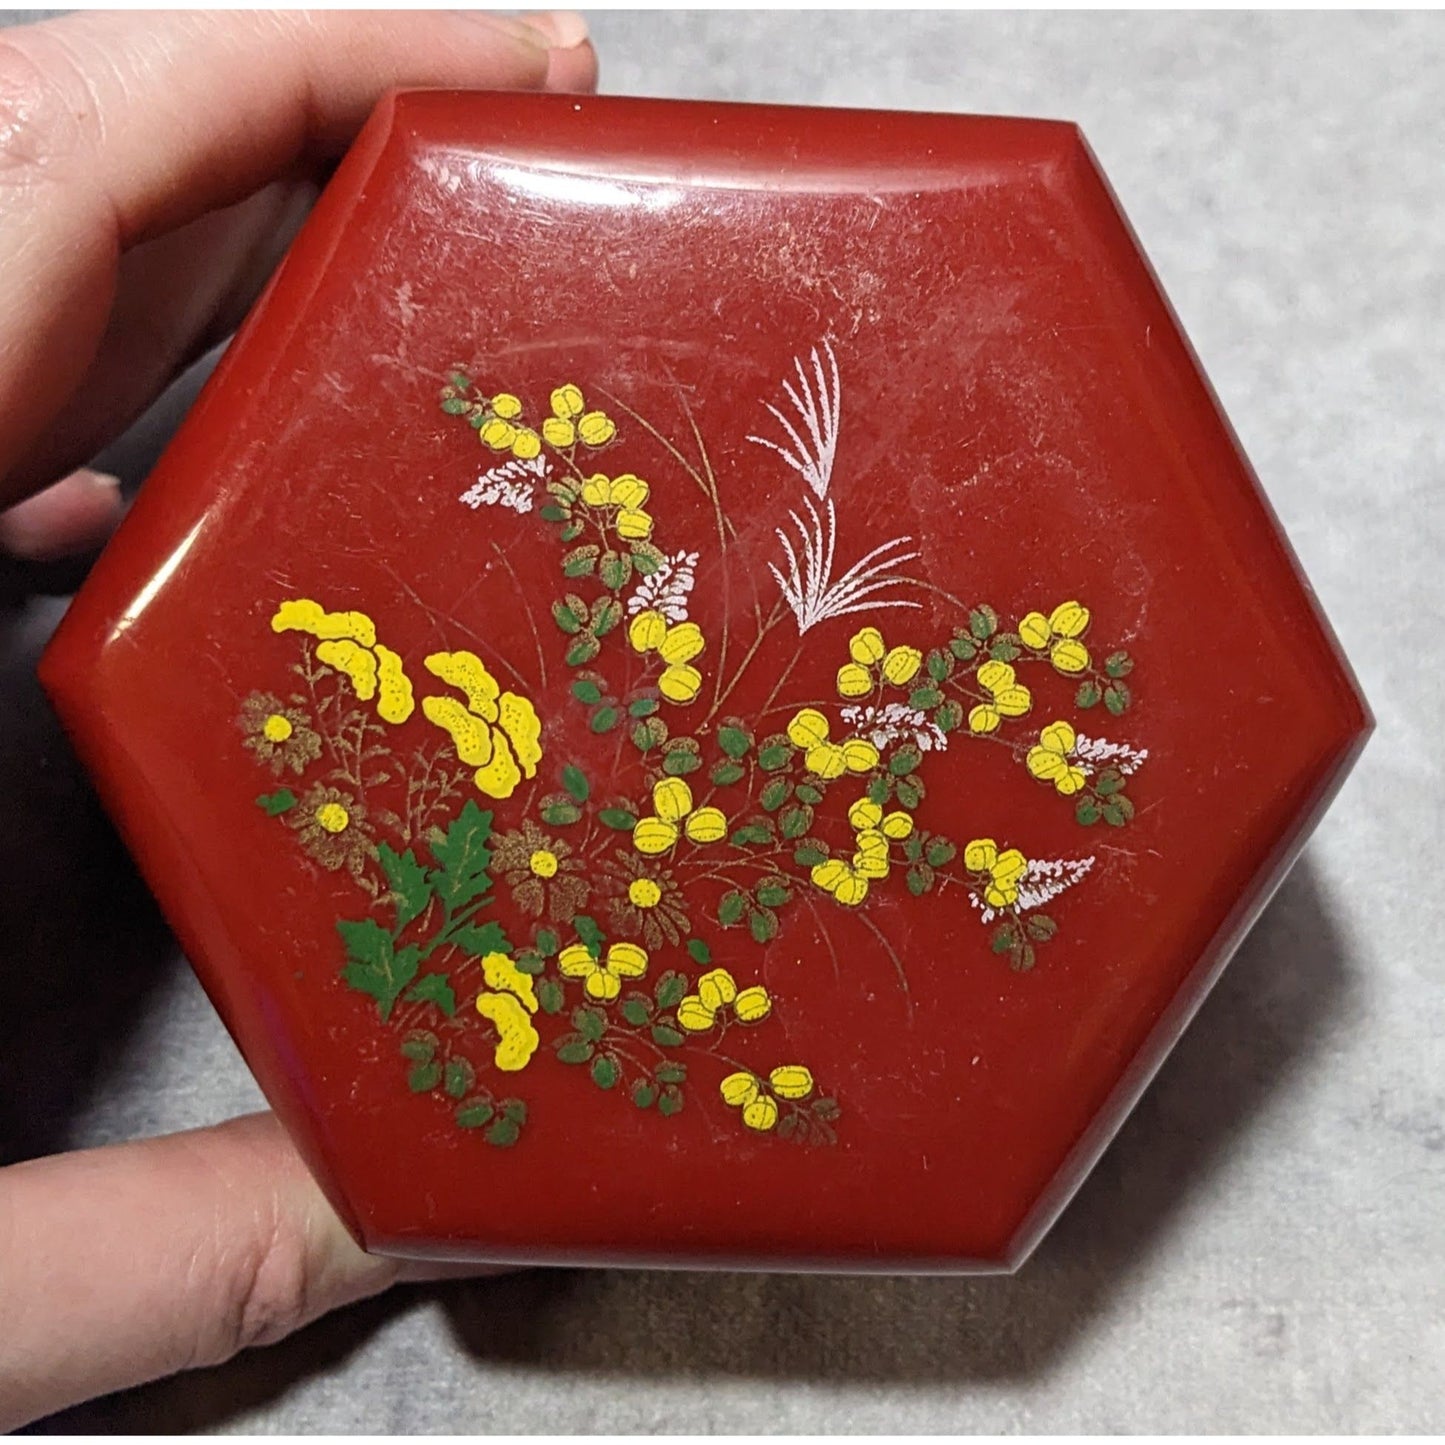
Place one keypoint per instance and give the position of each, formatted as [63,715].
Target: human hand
[152,169]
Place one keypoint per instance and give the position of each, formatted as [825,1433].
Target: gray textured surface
[1263,1247]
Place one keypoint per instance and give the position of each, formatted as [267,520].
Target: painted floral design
[644,894]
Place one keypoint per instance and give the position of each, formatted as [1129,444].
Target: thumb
[122,1264]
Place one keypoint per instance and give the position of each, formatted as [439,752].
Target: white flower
[1093,753]
[1045,879]
[666,590]
[512,484]
[894,723]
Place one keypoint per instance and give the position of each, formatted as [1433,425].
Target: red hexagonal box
[706,684]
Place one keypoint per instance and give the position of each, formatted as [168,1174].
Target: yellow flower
[567,402]
[901,665]
[854,680]
[672,815]
[526,444]
[500,973]
[746,1091]
[596,428]
[1057,633]
[347,643]
[809,733]
[497,434]
[676,644]
[1048,760]
[716,990]
[543,863]
[1004,870]
[866,647]
[557,432]
[871,859]
[628,494]
[498,733]
[603,977]
[506,406]
[333,817]
[644,893]
[1007,698]
[276,729]
[844,881]
[517,1040]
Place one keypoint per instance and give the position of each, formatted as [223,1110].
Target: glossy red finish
[1016,398]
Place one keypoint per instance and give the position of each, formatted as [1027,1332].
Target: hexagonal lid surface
[706,684]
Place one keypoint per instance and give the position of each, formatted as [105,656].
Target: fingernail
[561,29]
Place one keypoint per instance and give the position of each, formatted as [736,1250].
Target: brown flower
[282,737]
[645,900]
[331,828]
[542,873]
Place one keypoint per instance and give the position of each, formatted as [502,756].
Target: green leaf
[1040,926]
[643,1094]
[772,892]
[515,1110]
[879,791]
[794,822]
[583,650]
[374,965]
[458,1078]
[547,942]
[454,405]
[904,761]
[589,933]
[763,924]
[949,716]
[530,963]
[550,996]
[733,741]
[1003,938]
[460,380]
[618,818]
[565,618]
[699,952]
[919,879]
[1004,648]
[940,851]
[408,883]
[1111,780]
[434,988]
[1117,698]
[913,848]
[585,690]
[910,792]
[604,1072]
[670,1073]
[580,563]
[939,664]
[615,570]
[504,1133]
[775,793]
[1087,812]
[604,720]
[570,531]
[424,1077]
[727,773]
[274,804]
[571,1050]
[667,1037]
[606,614]
[1114,815]
[642,707]
[463,858]
[1118,664]
[807,793]
[675,764]
[924,698]
[636,1011]
[752,834]
[649,733]
[671,1101]
[774,756]
[730,910]
[591,1023]
[480,939]
[646,562]
[474,1113]
[419,1047]
[983,622]
[670,989]
[1023,958]
[575,781]
[1088,694]
[560,814]
[551,512]
[809,855]
[963,647]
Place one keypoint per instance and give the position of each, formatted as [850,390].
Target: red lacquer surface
[1016,398]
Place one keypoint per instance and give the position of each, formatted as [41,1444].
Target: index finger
[116,127]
